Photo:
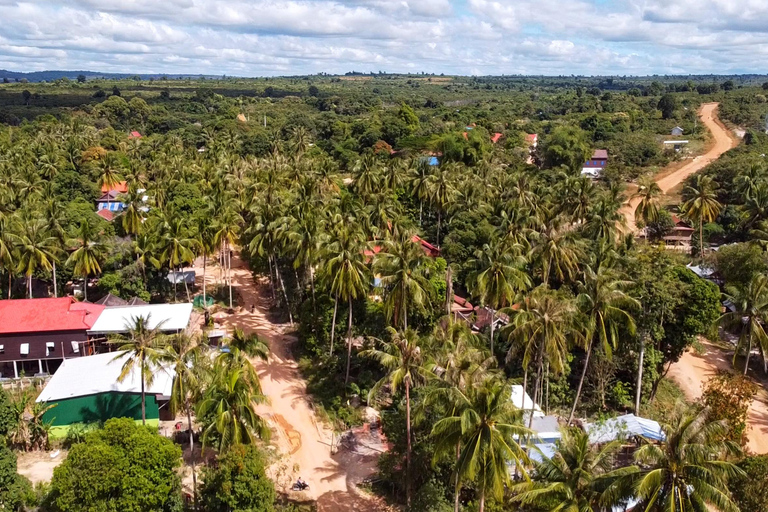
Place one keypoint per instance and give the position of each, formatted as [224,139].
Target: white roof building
[522,400]
[628,425]
[90,375]
[165,317]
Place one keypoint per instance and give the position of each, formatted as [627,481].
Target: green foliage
[728,397]
[750,490]
[15,490]
[238,483]
[567,146]
[122,467]
[7,417]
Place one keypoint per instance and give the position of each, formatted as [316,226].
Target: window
[2,349]
[24,349]
[75,347]
[50,348]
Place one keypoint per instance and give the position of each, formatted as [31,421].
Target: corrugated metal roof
[624,426]
[168,317]
[46,314]
[83,376]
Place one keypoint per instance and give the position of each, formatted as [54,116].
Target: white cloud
[257,37]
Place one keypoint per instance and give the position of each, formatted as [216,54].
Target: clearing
[305,444]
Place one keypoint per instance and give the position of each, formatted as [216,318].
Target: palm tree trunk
[143,393]
[482,500]
[535,393]
[333,322]
[439,218]
[408,444]
[493,321]
[405,313]
[749,352]
[229,274]
[421,209]
[10,283]
[701,238]
[285,294]
[173,271]
[349,341]
[271,279]
[448,291]
[581,382]
[55,288]
[29,286]
[639,390]
[205,304]
[312,286]
[192,453]
[85,287]
[457,491]
[186,288]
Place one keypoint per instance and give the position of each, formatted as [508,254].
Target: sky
[466,37]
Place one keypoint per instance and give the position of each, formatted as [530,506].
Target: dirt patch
[39,466]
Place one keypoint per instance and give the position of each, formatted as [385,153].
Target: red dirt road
[722,141]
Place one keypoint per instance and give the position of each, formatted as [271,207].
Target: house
[168,318]
[106,215]
[627,426]
[112,301]
[533,140]
[134,135]
[546,428]
[461,308]
[109,201]
[496,137]
[119,188]
[680,235]
[596,165]
[677,131]
[36,335]
[88,390]
[677,145]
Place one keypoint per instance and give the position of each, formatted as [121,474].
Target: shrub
[239,483]
[122,467]
[15,490]
[750,491]
[728,396]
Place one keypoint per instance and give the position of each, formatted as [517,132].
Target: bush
[239,483]
[728,396]
[6,414]
[15,490]
[122,467]
[750,492]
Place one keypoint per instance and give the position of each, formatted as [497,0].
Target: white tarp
[628,425]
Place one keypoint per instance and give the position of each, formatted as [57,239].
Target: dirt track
[693,370]
[304,443]
[722,141]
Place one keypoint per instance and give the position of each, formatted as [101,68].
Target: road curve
[723,141]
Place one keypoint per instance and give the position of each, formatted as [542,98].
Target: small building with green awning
[87,390]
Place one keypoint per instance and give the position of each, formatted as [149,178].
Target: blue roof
[433,160]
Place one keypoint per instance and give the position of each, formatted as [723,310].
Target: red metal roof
[600,154]
[430,249]
[496,137]
[532,137]
[106,215]
[45,315]
[135,135]
[120,188]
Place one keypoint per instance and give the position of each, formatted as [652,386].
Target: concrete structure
[88,390]
[36,335]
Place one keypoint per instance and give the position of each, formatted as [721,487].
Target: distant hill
[48,76]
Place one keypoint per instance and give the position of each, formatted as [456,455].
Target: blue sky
[279,37]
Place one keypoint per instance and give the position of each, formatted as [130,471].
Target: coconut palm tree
[408,367]
[227,409]
[249,344]
[575,478]
[177,247]
[556,251]
[604,305]
[205,241]
[647,209]
[541,329]
[687,472]
[88,255]
[54,217]
[34,247]
[419,182]
[702,204]
[497,275]
[184,355]
[133,216]
[227,233]
[7,250]
[401,266]
[347,274]
[442,190]
[487,426]
[749,317]
[142,348]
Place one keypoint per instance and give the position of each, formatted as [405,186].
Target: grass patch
[669,398]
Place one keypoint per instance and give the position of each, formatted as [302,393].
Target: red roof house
[496,136]
[107,215]
[37,334]
[120,188]
[134,135]
[532,139]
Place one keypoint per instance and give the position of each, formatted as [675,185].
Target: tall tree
[177,247]
[141,347]
[408,367]
[487,427]
[88,255]
[401,267]
[35,248]
[749,317]
[497,275]
[647,209]
[701,204]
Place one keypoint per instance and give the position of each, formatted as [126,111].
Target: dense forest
[327,187]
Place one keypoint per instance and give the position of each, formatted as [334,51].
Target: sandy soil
[722,141]
[38,466]
[304,443]
[693,370]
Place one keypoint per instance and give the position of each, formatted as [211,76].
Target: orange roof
[120,188]
[106,215]
[532,137]
[45,315]
[134,135]
[496,137]
[465,135]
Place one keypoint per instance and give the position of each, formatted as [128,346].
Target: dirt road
[722,141]
[304,443]
[693,370]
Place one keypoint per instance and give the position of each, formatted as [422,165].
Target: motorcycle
[300,486]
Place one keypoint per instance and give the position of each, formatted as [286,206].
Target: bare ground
[303,442]
[39,466]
